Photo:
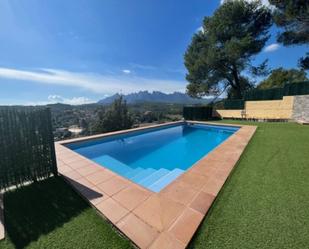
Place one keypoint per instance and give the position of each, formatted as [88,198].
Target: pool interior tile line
[155,220]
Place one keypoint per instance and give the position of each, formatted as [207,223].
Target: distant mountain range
[155,97]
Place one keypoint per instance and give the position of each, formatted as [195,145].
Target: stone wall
[301,108]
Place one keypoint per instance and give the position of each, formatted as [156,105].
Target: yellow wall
[265,109]
[270,109]
[229,113]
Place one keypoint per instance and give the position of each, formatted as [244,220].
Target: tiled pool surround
[167,219]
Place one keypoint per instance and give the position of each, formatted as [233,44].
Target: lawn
[49,214]
[264,203]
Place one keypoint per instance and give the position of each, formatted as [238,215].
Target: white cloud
[54,99]
[72,101]
[97,83]
[145,67]
[126,71]
[271,47]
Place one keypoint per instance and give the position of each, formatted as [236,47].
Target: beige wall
[229,113]
[265,109]
[270,109]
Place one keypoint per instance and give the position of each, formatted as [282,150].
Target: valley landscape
[143,108]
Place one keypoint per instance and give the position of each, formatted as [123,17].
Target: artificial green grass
[265,202]
[49,214]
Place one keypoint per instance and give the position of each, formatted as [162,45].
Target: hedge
[197,112]
[231,104]
[27,150]
[267,94]
[301,88]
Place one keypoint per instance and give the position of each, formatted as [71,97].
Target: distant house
[75,129]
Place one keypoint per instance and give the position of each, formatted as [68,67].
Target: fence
[234,104]
[300,88]
[267,94]
[197,112]
[27,150]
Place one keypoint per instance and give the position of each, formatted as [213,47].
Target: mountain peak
[156,97]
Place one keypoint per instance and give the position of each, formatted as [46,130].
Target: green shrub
[265,94]
[197,112]
[301,88]
[236,104]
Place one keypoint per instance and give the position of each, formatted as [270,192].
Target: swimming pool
[154,157]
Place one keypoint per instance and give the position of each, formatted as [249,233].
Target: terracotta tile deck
[2,232]
[167,219]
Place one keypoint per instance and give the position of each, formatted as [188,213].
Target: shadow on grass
[40,208]
[84,190]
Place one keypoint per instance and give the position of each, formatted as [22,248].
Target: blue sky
[79,51]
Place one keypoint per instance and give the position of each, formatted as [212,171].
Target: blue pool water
[154,158]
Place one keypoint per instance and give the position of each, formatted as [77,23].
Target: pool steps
[154,177]
[149,178]
[133,172]
[163,181]
[142,174]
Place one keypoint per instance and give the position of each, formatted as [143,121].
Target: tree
[114,118]
[303,62]
[279,77]
[293,16]
[219,55]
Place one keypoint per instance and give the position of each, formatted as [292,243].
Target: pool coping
[169,218]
